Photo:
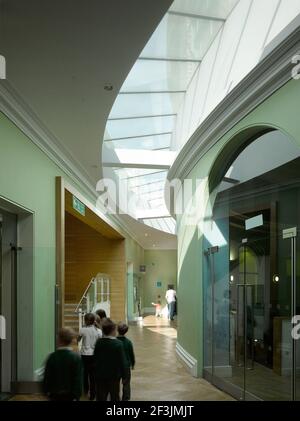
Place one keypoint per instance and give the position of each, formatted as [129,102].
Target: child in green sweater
[130,360]
[63,371]
[110,363]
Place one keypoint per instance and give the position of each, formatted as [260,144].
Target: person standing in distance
[171,301]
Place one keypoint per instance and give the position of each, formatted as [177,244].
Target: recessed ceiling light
[108,87]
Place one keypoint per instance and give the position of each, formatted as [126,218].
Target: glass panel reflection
[153,75]
[248,300]
[135,105]
[139,127]
[149,142]
[181,37]
[215,8]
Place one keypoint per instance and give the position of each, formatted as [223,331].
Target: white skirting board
[190,362]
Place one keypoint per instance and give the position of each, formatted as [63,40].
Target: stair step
[70,317]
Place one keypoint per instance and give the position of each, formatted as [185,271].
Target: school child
[157,306]
[130,360]
[110,363]
[88,336]
[63,370]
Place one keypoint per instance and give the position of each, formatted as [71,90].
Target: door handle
[238,319]
[251,338]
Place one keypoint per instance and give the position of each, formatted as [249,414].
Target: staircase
[70,317]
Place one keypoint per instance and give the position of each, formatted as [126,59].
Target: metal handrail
[84,295]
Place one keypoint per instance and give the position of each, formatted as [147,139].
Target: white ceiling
[59,56]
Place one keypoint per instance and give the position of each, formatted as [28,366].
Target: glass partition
[251,271]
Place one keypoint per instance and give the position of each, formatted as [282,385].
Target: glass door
[252,271]
[8,300]
[267,316]
[252,288]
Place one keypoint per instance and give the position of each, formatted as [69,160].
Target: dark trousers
[108,387]
[89,375]
[126,394]
[171,308]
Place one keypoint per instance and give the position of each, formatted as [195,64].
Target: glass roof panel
[139,127]
[144,113]
[147,188]
[180,37]
[137,173]
[171,224]
[152,195]
[135,105]
[147,178]
[156,203]
[153,223]
[141,177]
[153,75]
[149,143]
[164,224]
[215,8]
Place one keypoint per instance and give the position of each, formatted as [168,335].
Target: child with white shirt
[89,336]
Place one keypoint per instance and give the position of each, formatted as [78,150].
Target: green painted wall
[280,111]
[161,265]
[27,177]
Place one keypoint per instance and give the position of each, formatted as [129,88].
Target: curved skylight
[144,114]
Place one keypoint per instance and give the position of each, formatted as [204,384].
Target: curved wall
[279,111]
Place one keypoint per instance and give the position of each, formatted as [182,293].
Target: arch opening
[248,281]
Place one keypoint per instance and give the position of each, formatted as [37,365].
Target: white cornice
[16,109]
[273,71]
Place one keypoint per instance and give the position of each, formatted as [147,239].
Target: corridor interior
[159,375]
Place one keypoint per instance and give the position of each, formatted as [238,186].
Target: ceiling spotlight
[108,87]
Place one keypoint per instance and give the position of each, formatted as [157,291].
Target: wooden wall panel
[87,253]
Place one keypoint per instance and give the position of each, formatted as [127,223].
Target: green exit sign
[78,206]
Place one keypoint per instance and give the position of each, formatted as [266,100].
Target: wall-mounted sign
[78,206]
[256,221]
[158,284]
[143,268]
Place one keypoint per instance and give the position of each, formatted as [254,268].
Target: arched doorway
[251,269]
